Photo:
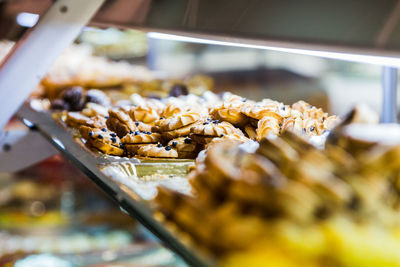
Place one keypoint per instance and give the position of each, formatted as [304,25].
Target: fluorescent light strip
[378,60]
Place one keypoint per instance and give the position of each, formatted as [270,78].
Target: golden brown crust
[145,114]
[184,131]
[201,139]
[183,146]
[250,131]
[76,119]
[102,140]
[214,128]
[229,138]
[171,110]
[259,112]
[93,109]
[157,151]
[120,122]
[230,112]
[141,138]
[177,121]
[330,122]
[266,127]
[132,149]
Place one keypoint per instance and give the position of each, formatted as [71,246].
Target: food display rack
[314,28]
[128,200]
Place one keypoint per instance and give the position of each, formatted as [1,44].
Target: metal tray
[122,178]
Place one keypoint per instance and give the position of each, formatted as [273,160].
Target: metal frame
[20,72]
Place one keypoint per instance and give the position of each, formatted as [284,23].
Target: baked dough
[157,151]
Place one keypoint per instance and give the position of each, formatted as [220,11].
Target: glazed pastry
[266,127]
[177,121]
[259,112]
[184,131]
[171,110]
[120,122]
[157,151]
[141,138]
[76,119]
[250,131]
[132,149]
[93,109]
[183,144]
[186,147]
[230,112]
[102,139]
[145,114]
[229,138]
[293,124]
[213,128]
[330,122]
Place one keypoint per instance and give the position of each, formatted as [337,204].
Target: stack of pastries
[180,127]
[289,203]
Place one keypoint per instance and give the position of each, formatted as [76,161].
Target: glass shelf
[120,178]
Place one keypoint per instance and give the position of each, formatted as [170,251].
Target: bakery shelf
[135,203]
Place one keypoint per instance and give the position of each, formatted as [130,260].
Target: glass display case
[364,32]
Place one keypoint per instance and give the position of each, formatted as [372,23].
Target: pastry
[171,110]
[122,124]
[230,112]
[229,138]
[214,128]
[141,138]
[157,151]
[102,139]
[93,109]
[266,127]
[250,131]
[259,111]
[177,121]
[76,119]
[185,146]
[184,131]
[144,114]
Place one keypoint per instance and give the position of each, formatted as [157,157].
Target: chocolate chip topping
[73,95]
[136,123]
[159,145]
[113,139]
[113,134]
[91,133]
[168,148]
[187,140]
[104,129]
[174,144]
[100,136]
[6,147]
[178,89]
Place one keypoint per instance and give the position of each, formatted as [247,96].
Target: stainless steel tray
[127,181]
